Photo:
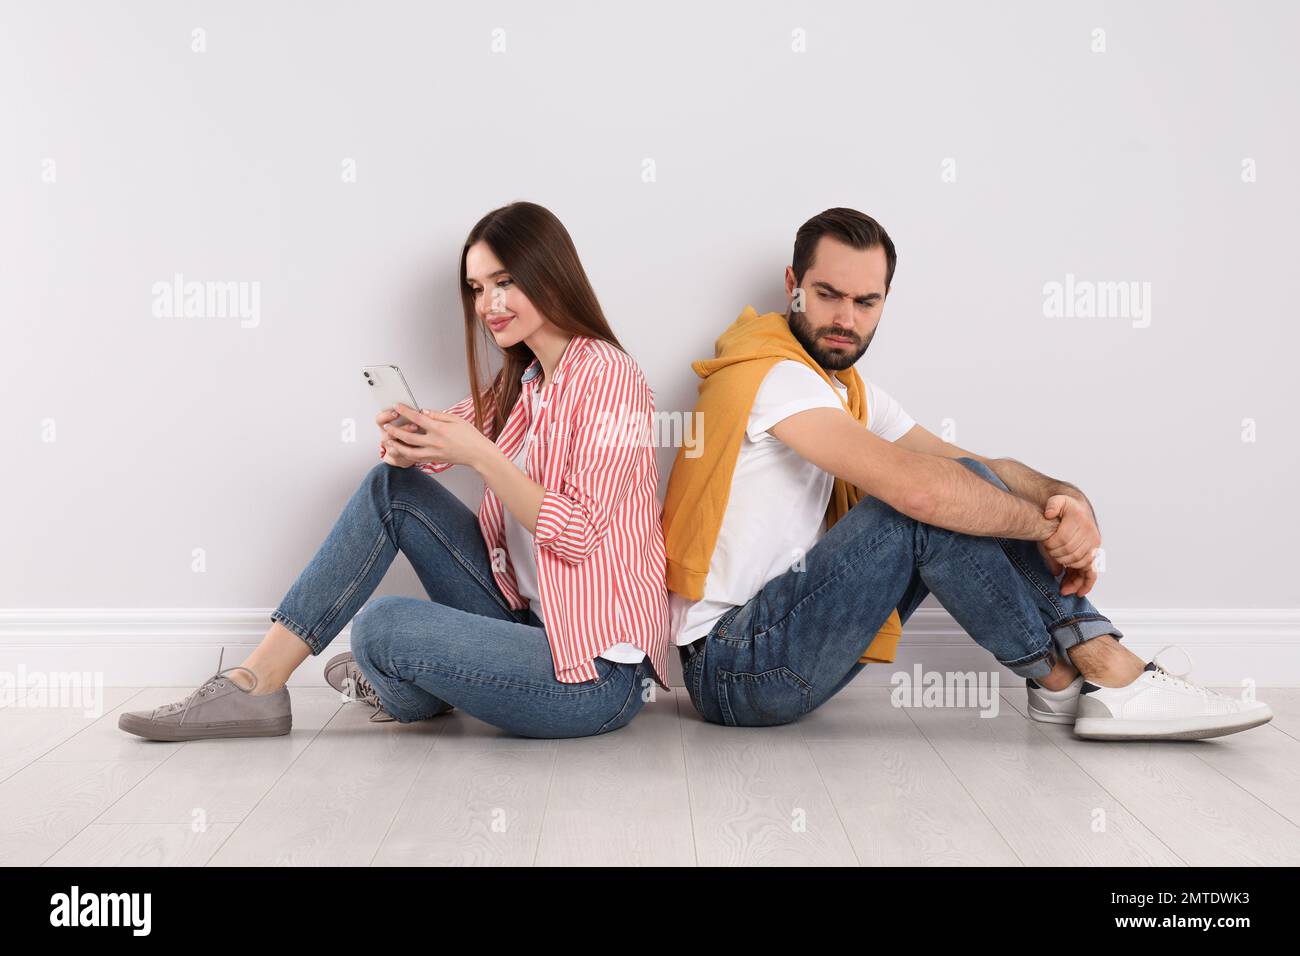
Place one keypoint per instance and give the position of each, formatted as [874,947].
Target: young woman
[548,614]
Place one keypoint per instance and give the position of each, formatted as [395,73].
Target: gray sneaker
[343,674]
[217,708]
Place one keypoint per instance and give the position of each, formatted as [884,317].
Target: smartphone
[388,386]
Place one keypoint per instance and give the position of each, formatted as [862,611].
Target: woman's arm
[608,439]
[519,493]
[608,435]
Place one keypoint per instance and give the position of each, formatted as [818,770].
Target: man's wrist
[1071,491]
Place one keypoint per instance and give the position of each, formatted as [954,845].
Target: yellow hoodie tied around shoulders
[699,487]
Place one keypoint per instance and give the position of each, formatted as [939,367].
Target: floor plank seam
[67,739]
[686,774]
[101,813]
[961,783]
[1254,796]
[812,757]
[546,806]
[338,708]
[1283,730]
[1138,819]
[424,758]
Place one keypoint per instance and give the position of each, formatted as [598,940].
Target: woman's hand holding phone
[393,450]
[432,436]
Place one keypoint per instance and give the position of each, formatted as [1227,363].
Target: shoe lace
[364,691]
[209,686]
[1178,679]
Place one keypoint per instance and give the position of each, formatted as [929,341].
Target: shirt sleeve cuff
[552,517]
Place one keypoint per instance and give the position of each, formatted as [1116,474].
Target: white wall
[176,434]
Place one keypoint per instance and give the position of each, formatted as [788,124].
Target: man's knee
[872,511]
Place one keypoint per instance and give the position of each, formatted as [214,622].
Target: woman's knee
[374,626]
[388,484]
[384,479]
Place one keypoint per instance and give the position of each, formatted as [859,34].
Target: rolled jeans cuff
[297,629]
[1075,630]
[1038,664]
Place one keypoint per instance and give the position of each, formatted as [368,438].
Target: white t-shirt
[519,545]
[777,508]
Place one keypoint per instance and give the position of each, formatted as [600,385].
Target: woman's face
[500,304]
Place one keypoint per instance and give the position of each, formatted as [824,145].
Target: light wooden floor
[858,782]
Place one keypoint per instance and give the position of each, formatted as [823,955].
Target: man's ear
[790,282]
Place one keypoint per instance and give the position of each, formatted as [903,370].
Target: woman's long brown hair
[535,248]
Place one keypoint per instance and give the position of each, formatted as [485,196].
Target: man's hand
[1074,544]
[1076,581]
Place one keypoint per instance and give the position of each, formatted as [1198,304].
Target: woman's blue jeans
[796,643]
[465,646]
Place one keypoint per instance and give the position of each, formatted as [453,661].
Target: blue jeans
[796,643]
[465,647]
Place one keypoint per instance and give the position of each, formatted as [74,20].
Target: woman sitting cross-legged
[547,614]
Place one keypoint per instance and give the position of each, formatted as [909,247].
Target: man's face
[843,298]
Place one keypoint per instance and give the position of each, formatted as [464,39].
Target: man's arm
[1074,545]
[1019,477]
[930,488]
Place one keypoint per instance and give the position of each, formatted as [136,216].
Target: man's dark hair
[850,227]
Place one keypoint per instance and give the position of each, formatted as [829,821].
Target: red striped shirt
[598,543]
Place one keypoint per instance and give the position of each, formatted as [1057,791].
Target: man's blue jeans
[796,643]
[464,647]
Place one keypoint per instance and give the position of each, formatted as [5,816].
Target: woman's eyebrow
[499,272]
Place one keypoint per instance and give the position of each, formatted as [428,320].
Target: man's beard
[826,356]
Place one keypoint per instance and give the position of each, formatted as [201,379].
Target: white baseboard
[178,647]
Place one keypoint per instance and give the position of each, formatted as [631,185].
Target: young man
[820,515]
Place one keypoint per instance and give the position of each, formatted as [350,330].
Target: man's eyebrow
[821,284]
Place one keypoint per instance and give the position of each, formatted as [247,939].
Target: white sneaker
[1159,705]
[1053,706]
